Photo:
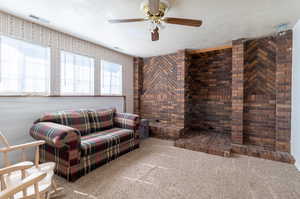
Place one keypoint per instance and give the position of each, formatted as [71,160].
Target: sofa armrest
[62,145]
[56,135]
[127,121]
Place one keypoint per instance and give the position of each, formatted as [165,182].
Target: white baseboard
[297,166]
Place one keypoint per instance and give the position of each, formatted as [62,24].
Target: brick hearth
[208,142]
[221,144]
[262,152]
[165,130]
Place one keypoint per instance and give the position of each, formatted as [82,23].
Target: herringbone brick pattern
[260,92]
[158,100]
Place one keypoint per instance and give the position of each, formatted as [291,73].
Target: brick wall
[183,64]
[283,90]
[138,64]
[162,84]
[209,102]
[245,91]
[158,99]
[260,92]
[237,91]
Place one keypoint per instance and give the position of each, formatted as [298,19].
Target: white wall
[18,114]
[296,96]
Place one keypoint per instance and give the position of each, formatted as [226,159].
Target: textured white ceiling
[224,20]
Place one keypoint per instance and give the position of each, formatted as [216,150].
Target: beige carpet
[160,170]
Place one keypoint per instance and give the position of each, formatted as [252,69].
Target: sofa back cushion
[78,119]
[102,119]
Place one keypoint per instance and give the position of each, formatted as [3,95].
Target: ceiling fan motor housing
[164,5]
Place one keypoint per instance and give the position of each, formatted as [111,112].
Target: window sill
[62,96]
[24,95]
[86,96]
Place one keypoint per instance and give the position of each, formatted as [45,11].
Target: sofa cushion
[101,119]
[109,140]
[78,119]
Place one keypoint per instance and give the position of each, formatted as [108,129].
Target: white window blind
[77,74]
[111,78]
[24,68]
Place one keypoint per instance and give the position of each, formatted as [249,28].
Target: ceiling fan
[155,11]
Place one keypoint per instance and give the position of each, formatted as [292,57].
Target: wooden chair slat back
[5,155]
[4,140]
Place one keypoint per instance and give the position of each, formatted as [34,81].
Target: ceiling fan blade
[182,21]
[154,6]
[125,20]
[155,34]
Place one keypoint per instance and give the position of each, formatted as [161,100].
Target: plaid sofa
[82,140]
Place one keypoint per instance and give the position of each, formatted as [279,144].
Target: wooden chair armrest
[16,167]
[25,183]
[22,146]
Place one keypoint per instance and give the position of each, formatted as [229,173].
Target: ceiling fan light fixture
[161,26]
[151,26]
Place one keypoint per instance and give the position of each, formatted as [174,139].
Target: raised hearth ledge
[166,131]
[220,144]
[256,151]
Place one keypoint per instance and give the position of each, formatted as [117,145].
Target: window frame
[122,78]
[66,94]
[48,69]
[54,74]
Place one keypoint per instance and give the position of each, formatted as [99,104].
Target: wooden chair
[26,180]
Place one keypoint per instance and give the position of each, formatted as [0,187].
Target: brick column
[283,87]
[178,118]
[187,89]
[237,91]
[138,83]
[182,88]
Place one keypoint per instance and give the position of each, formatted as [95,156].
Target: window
[24,68]
[77,74]
[111,78]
